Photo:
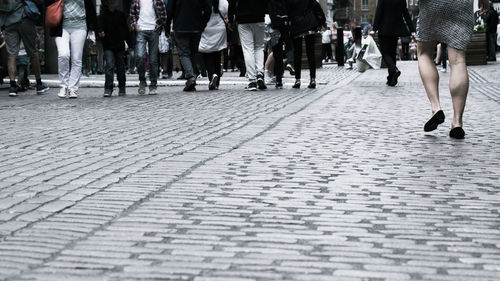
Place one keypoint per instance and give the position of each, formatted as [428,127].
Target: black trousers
[327,51]
[278,58]
[297,55]
[388,47]
[213,64]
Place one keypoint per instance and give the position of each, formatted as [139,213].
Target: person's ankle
[13,83]
[39,81]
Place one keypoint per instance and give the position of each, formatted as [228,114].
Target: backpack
[7,5]
[279,15]
[31,10]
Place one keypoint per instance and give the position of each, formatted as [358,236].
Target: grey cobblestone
[331,184]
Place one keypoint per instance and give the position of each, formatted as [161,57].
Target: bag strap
[222,17]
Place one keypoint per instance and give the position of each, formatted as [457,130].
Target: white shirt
[214,38]
[147,16]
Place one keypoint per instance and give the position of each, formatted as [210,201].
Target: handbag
[31,10]
[54,14]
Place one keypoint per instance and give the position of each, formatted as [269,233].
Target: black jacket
[188,15]
[90,18]
[115,27]
[393,19]
[305,16]
[247,11]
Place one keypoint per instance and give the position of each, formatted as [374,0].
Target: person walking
[214,41]
[113,31]
[392,20]
[147,18]
[70,34]
[491,20]
[190,17]
[281,23]
[452,23]
[249,16]
[18,27]
[306,18]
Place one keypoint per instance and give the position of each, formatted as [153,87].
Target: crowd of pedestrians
[205,32]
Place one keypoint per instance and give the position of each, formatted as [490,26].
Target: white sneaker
[73,95]
[63,92]
[443,70]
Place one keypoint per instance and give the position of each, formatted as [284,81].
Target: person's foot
[122,92]
[63,92]
[107,93]
[290,69]
[213,83]
[296,85]
[153,91]
[394,78]
[13,91]
[279,85]
[261,84]
[436,119]
[73,94]
[190,86]
[252,86]
[42,88]
[142,87]
[457,133]
[312,84]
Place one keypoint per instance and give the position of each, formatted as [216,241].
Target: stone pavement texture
[338,183]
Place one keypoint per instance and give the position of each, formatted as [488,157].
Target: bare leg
[35,64]
[11,64]
[459,84]
[429,74]
[438,54]
[270,64]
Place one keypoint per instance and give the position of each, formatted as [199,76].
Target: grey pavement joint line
[184,174]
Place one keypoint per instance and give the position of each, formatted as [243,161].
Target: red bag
[53,16]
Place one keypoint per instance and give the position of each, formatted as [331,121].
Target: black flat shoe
[296,85]
[394,79]
[457,133]
[432,124]
[312,84]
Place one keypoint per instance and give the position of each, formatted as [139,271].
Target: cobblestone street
[338,183]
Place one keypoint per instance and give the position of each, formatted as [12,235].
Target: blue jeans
[187,45]
[149,39]
[114,59]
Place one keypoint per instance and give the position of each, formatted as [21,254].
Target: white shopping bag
[372,55]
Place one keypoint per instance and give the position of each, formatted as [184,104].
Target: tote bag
[53,16]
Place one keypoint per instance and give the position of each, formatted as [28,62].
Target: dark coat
[393,19]
[90,18]
[188,15]
[115,27]
[305,16]
[247,11]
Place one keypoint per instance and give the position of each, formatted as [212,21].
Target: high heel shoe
[436,119]
[296,85]
[457,133]
[312,84]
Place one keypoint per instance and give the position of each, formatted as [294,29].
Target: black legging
[278,58]
[297,55]
[388,48]
[212,63]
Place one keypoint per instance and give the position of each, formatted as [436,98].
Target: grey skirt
[450,22]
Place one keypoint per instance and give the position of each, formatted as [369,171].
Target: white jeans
[252,42]
[70,44]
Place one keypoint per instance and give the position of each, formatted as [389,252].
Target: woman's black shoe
[433,123]
[393,81]
[312,84]
[296,85]
[457,133]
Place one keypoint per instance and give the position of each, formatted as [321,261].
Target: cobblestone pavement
[339,183]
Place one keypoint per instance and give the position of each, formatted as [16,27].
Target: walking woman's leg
[297,56]
[77,38]
[311,56]
[63,54]
[429,74]
[459,84]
